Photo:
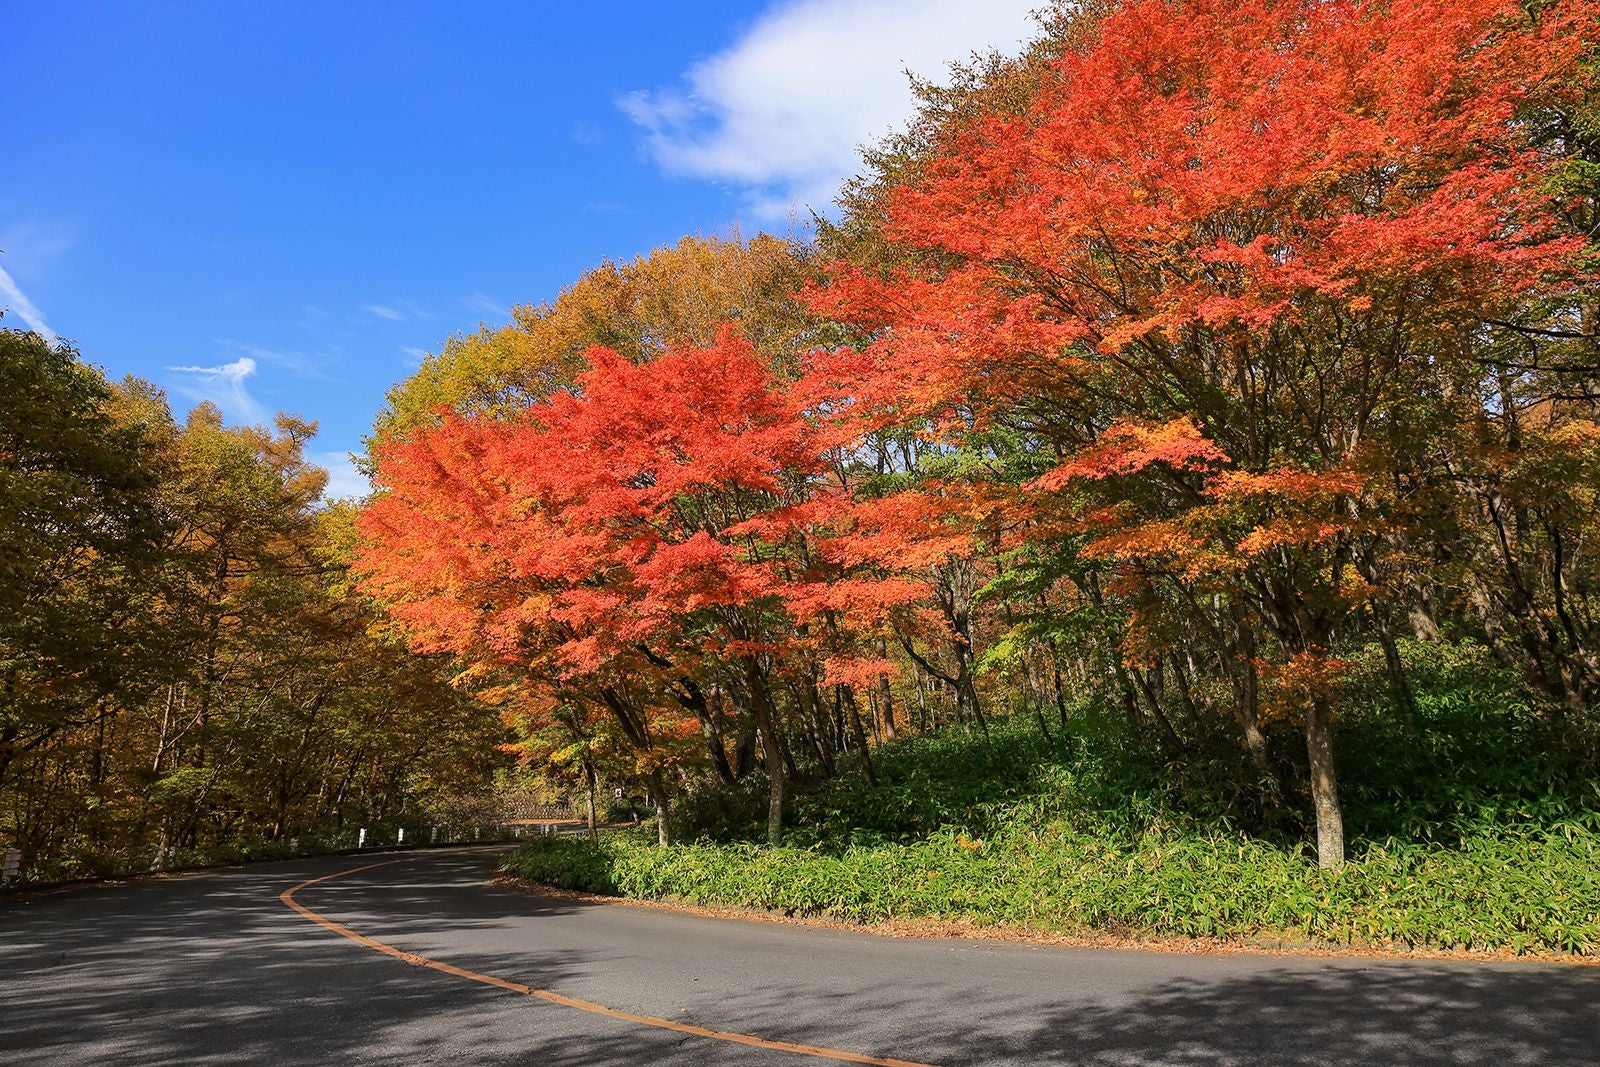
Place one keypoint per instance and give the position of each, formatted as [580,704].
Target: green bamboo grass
[1539,892]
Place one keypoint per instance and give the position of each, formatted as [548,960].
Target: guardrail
[18,874]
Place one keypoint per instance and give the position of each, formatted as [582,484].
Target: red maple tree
[1226,266]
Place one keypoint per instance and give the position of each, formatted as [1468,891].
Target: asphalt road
[214,968]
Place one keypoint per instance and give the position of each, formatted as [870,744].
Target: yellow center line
[287,896]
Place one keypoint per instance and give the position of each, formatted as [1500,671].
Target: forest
[188,666]
[1188,426]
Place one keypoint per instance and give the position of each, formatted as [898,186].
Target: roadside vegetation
[1470,842]
[186,674]
[1208,393]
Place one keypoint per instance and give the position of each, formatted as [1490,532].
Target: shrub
[1538,892]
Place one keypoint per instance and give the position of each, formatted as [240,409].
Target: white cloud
[315,367]
[397,311]
[486,305]
[224,386]
[783,112]
[18,302]
[344,480]
[414,356]
[39,243]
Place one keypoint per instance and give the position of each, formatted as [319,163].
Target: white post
[401,838]
[475,832]
[13,866]
[433,839]
[294,844]
[361,840]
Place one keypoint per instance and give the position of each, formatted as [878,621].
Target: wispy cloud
[314,367]
[224,386]
[761,116]
[486,305]
[397,311]
[344,481]
[38,242]
[414,356]
[17,301]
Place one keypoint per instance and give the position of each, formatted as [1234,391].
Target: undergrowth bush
[1466,829]
[950,778]
[1474,756]
[1539,892]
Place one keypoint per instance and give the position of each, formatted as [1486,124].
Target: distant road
[215,968]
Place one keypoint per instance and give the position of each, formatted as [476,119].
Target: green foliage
[184,664]
[1477,757]
[952,780]
[1539,892]
[1466,834]
[80,536]
[1474,757]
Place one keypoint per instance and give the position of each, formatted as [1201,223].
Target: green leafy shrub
[1472,758]
[1538,892]
[1464,831]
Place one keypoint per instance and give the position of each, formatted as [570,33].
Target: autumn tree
[189,664]
[645,541]
[1230,274]
[81,532]
[638,310]
[676,295]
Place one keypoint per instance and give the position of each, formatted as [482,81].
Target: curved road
[215,968]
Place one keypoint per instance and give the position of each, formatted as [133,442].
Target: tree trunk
[1247,693]
[1256,742]
[1398,683]
[885,695]
[1044,727]
[967,696]
[761,704]
[1420,614]
[769,746]
[744,752]
[1060,690]
[590,785]
[658,794]
[711,729]
[1324,786]
[820,732]
[853,710]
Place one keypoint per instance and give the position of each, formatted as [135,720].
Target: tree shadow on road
[214,969]
[1334,1015]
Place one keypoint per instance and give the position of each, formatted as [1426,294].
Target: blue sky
[284,206]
